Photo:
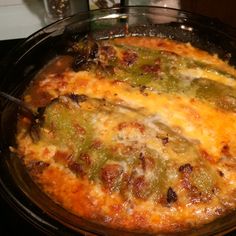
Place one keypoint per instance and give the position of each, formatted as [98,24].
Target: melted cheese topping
[146,149]
[195,119]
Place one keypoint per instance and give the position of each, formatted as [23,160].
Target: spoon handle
[17,102]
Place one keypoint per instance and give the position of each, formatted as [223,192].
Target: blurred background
[20,18]
[218,9]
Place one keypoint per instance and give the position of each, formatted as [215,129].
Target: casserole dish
[25,61]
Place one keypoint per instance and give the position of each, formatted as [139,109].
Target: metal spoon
[19,103]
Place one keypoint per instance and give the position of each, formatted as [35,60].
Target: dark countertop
[10,221]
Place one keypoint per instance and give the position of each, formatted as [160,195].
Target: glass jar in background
[160,3]
[155,15]
[56,10]
[96,4]
[59,9]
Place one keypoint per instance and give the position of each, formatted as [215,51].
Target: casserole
[137,21]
